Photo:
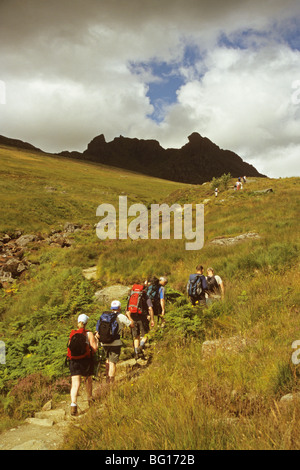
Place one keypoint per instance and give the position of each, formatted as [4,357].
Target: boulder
[71,228]
[108,294]
[11,266]
[263,191]
[233,345]
[290,398]
[25,239]
[232,240]
[90,273]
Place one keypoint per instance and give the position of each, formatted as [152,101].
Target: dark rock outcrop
[8,142]
[196,162]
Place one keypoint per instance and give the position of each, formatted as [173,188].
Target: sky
[154,69]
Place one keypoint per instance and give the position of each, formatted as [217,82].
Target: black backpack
[107,327]
[212,284]
[78,347]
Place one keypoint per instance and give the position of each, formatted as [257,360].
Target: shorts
[141,325]
[83,367]
[112,353]
[157,309]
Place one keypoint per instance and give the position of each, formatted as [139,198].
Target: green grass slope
[183,400]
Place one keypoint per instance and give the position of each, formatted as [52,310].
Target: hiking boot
[141,354]
[73,410]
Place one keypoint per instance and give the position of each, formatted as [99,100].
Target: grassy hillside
[183,400]
[40,191]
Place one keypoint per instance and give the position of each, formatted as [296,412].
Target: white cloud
[244,103]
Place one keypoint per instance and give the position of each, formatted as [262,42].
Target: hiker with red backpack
[109,327]
[81,347]
[139,307]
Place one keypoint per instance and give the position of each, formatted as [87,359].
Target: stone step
[40,422]
[55,415]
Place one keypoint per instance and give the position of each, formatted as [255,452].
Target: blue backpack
[107,327]
[194,286]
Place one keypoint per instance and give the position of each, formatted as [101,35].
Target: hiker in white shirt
[215,289]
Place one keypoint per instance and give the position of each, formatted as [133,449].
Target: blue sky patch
[165,79]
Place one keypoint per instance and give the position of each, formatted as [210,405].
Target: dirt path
[46,431]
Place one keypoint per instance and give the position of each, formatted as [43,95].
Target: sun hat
[115,305]
[83,318]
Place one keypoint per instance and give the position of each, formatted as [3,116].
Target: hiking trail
[48,428]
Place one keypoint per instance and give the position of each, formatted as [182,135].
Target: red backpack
[78,347]
[135,299]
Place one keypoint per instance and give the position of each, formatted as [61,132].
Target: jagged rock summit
[196,162]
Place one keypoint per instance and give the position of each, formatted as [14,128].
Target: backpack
[78,347]
[153,290]
[212,284]
[107,327]
[194,287]
[135,299]
[154,296]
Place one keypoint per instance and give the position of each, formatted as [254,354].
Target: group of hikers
[145,307]
[238,185]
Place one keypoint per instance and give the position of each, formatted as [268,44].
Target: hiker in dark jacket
[197,287]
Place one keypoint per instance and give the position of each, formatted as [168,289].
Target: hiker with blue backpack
[197,287]
[156,292]
[82,346]
[109,328]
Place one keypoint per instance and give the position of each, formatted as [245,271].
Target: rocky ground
[15,246]
[47,429]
